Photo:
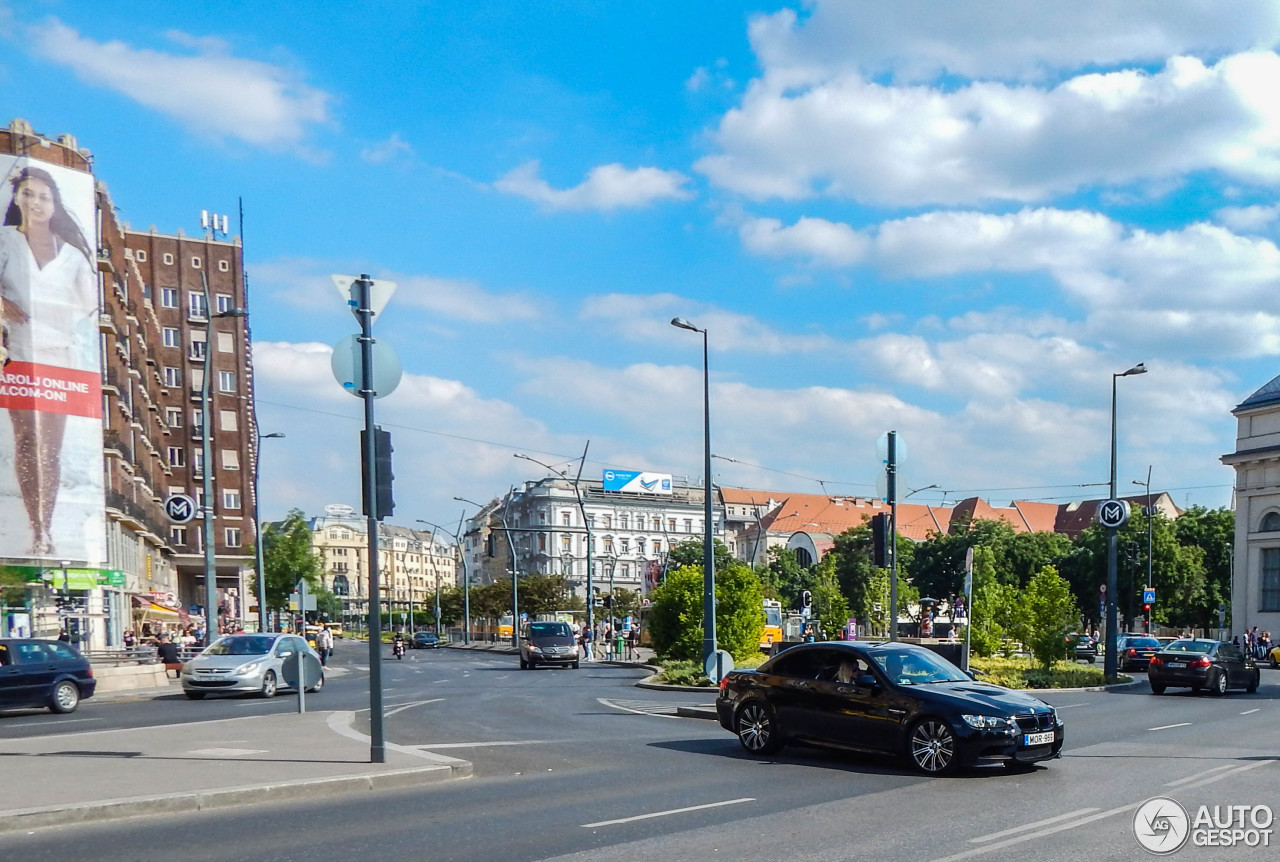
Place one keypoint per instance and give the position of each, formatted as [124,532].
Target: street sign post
[1148,596]
[1113,514]
[180,508]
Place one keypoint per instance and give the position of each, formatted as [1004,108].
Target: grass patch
[1019,672]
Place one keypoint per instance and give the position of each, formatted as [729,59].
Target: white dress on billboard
[60,301]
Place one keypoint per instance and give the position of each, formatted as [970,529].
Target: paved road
[581,764]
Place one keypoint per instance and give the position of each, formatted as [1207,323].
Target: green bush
[1025,673]
[683,672]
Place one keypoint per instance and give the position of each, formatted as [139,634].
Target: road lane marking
[604,701]
[1198,775]
[1250,711]
[1071,705]
[1230,773]
[1009,842]
[666,813]
[1168,726]
[429,746]
[1036,825]
[412,705]
[46,723]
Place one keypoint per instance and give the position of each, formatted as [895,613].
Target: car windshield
[240,646]
[544,630]
[917,668]
[1189,646]
[1142,642]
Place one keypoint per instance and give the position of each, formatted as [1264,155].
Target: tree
[288,557]
[1213,531]
[992,612]
[1049,614]
[675,615]
[691,552]
[830,607]
[783,578]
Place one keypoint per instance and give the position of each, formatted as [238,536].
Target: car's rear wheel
[1218,685]
[1157,688]
[319,685]
[932,747]
[66,697]
[195,695]
[1275,663]
[269,684]
[758,728]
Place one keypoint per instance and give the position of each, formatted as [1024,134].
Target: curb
[203,800]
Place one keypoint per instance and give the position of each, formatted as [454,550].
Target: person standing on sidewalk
[584,638]
[324,645]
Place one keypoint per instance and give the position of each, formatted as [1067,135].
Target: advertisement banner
[637,482]
[51,491]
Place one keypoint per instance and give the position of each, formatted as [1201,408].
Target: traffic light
[608,601]
[806,599]
[880,540]
[382,476]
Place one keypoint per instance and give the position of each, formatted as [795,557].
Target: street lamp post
[257,527]
[466,581]
[511,547]
[1111,663]
[708,556]
[586,524]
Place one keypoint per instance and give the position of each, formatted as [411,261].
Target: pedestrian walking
[584,639]
[633,643]
[324,645]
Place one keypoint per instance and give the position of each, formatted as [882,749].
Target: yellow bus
[504,627]
[772,623]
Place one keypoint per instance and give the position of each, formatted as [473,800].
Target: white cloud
[916,40]
[846,137]
[1250,219]
[823,242]
[465,300]
[390,149]
[606,188]
[211,92]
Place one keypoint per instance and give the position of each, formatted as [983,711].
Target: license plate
[1045,738]
[1176,664]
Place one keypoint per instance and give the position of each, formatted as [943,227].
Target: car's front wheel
[66,697]
[269,684]
[1253,686]
[194,695]
[758,728]
[932,747]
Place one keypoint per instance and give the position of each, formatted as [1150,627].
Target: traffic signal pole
[377,743]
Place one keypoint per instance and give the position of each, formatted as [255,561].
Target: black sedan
[424,640]
[43,673]
[889,698]
[1135,651]
[1203,664]
[1085,648]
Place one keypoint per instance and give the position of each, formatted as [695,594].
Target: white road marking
[1230,773]
[412,705]
[226,752]
[428,746]
[1168,726]
[1037,825]
[46,723]
[666,813]
[1250,711]
[1198,775]
[1071,705]
[1008,842]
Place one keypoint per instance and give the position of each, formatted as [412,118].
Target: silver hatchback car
[262,663]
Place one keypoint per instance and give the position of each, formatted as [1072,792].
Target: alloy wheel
[1220,683]
[756,728]
[933,747]
[66,697]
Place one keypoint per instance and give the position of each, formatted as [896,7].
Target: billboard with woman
[51,492]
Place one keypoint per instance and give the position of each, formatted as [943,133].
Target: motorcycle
[397,648]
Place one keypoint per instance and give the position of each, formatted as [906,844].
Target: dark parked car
[43,673]
[548,643]
[1085,648]
[424,640]
[1134,652]
[892,698]
[1203,664]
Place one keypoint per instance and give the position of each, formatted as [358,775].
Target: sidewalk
[179,768]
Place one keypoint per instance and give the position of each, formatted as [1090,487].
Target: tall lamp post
[435,527]
[257,528]
[586,524]
[515,579]
[1111,662]
[708,555]
[206,457]
[1149,511]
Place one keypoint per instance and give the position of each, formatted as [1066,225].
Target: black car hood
[980,695]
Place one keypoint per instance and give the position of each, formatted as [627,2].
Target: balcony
[106,323]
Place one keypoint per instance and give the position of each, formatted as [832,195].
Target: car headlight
[533,648]
[1057,720]
[248,668]
[986,722]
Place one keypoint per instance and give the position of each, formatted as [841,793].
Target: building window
[1270,600]
[197,464]
[624,522]
[233,537]
[227,420]
[168,297]
[231,499]
[195,262]
[1270,522]
[167,258]
[178,535]
[565,518]
[224,302]
[172,377]
[196,305]
[140,256]
[177,456]
[224,266]
[671,525]
[173,417]
[608,522]
[226,342]
[625,546]
[172,337]
[197,348]
[640,547]
[227,381]
[688,525]
[657,523]
[230,459]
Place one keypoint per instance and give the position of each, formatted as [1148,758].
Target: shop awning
[145,610]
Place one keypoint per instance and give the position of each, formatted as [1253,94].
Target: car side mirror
[866,680]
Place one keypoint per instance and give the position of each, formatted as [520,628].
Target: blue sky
[956,221]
